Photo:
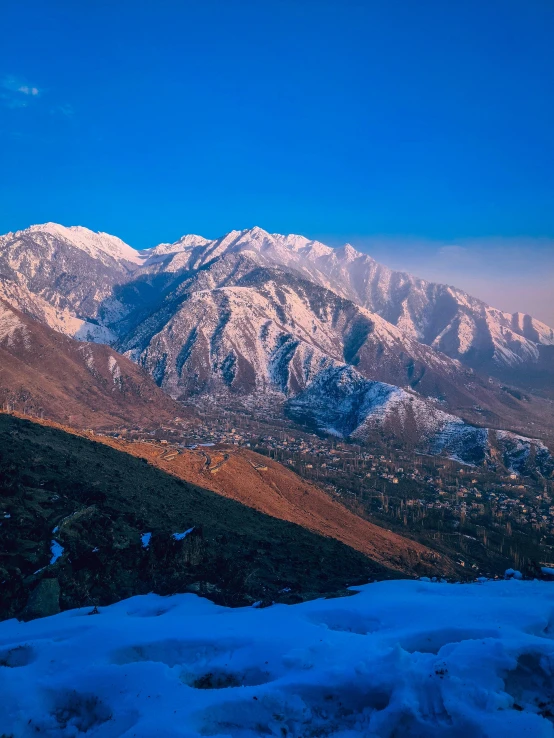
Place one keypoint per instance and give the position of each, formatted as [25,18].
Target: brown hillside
[271,488]
[89,385]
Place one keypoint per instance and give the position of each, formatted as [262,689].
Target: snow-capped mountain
[101,246]
[438,315]
[158,253]
[239,327]
[61,319]
[81,272]
[62,275]
[254,313]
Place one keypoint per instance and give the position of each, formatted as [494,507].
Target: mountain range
[329,335]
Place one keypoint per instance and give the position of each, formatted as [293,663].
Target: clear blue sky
[336,119]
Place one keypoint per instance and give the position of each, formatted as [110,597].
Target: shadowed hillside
[95,503]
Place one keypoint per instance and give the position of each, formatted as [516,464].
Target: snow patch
[56,550]
[400,658]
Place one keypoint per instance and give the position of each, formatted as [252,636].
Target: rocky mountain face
[78,271]
[62,276]
[440,316]
[236,327]
[45,373]
[257,314]
[343,403]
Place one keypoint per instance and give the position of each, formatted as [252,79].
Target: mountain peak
[348,252]
[188,241]
[256,232]
[191,239]
[94,243]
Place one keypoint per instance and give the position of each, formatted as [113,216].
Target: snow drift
[398,659]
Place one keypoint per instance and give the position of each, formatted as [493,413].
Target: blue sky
[386,124]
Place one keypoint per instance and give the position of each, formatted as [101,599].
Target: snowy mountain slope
[101,246]
[443,317]
[296,252]
[159,254]
[59,319]
[342,402]
[254,312]
[78,270]
[407,658]
[83,384]
[237,327]
[229,338]
[71,270]
[519,454]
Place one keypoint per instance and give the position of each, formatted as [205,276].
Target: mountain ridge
[253,313]
[400,298]
[476,333]
[97,502]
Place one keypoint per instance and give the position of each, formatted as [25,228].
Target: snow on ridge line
[322,263]
[398,658]
[91,242]
[315,259]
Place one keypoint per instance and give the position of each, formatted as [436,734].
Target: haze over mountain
[438,315]
[512,273]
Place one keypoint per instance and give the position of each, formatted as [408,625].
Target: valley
[276,369]
[85,524]
[485,518]
[301,383]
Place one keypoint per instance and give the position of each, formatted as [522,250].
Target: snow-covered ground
[398,659]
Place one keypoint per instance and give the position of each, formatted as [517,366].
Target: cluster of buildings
[389,480]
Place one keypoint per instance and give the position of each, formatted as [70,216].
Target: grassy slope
[46,475]
[279,492]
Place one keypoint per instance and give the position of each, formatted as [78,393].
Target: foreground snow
[398,659]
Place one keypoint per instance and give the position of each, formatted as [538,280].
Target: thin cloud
[17,93]
[18,85]
[28,90]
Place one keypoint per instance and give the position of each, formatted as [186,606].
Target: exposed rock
[43,601]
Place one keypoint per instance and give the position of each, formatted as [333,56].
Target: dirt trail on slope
[270,487]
